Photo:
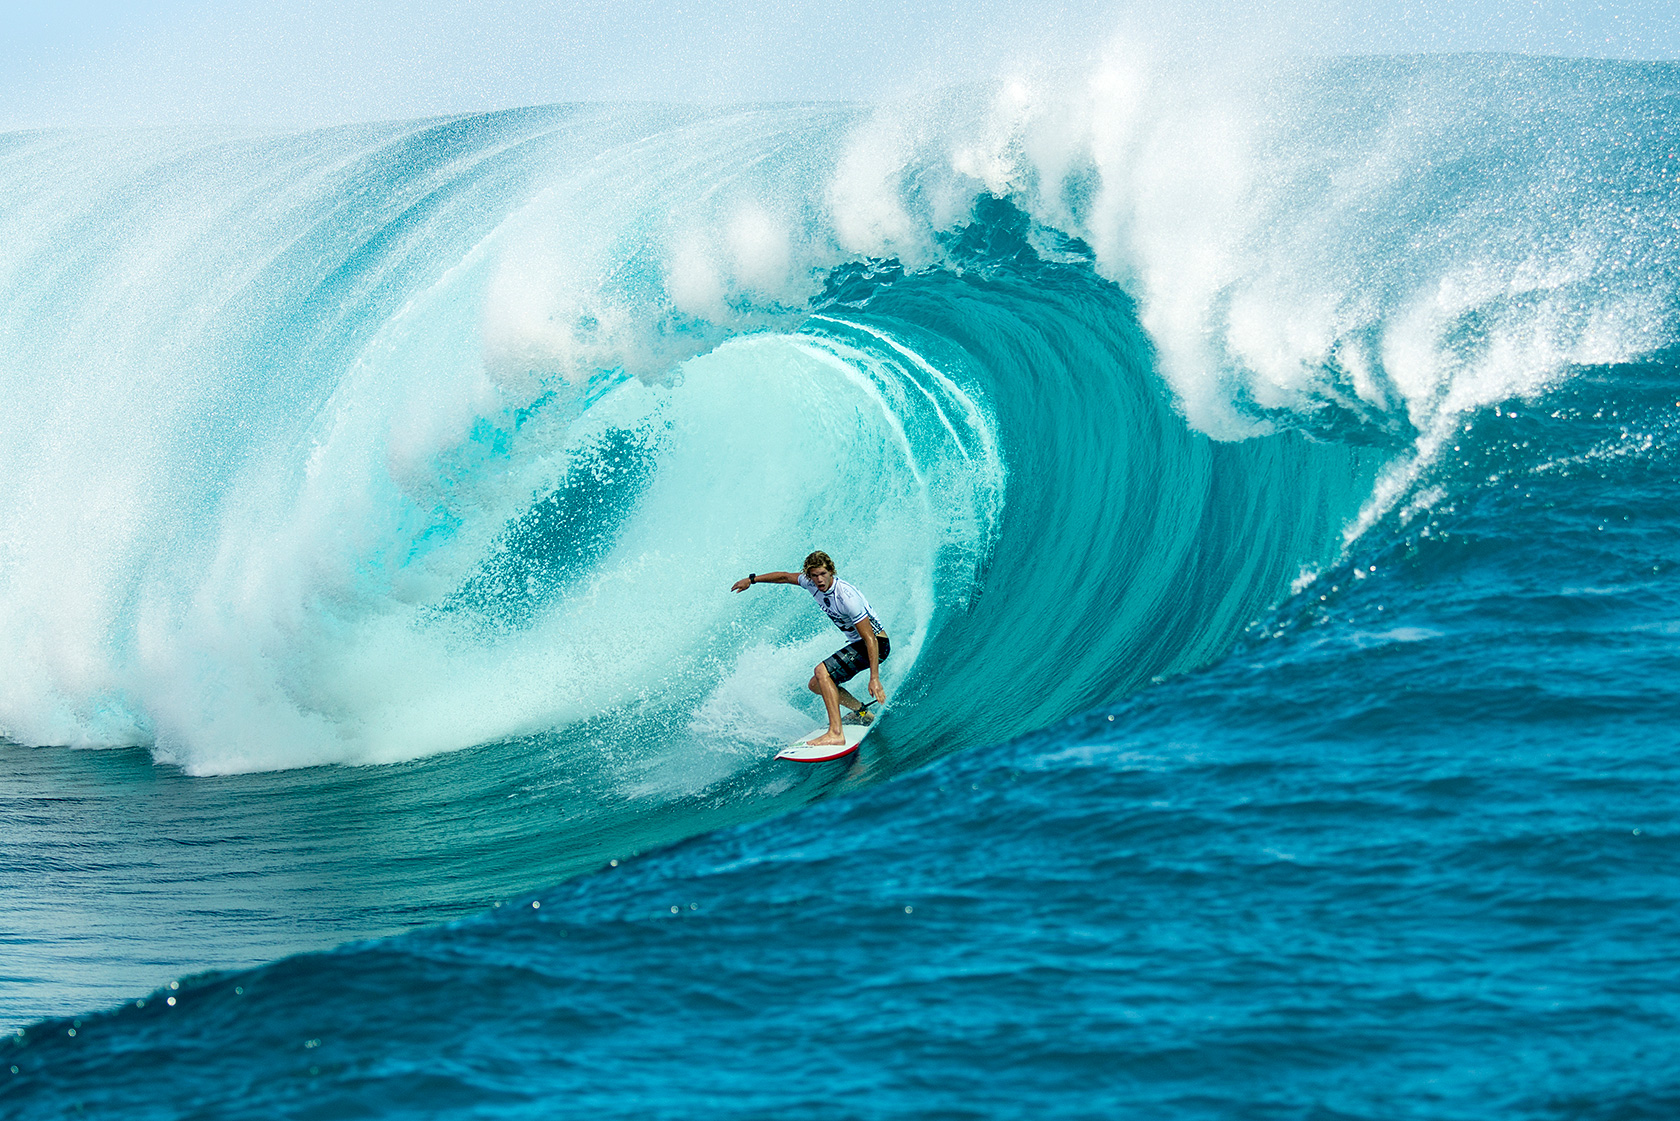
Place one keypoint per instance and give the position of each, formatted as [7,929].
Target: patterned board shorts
[853,658]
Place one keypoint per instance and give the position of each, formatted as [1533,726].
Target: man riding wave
[866,645]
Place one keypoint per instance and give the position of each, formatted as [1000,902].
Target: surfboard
[801,752]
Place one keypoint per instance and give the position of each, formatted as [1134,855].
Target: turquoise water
[1269,493]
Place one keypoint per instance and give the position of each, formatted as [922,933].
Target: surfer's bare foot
[861,716]
[828,739]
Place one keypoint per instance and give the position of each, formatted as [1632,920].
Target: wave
[367,444]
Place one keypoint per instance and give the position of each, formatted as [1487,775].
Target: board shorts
[853,658]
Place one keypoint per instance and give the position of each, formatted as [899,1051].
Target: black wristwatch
[752,577]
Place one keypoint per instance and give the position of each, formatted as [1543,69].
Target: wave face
[437,445]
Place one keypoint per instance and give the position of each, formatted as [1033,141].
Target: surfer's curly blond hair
[819,559]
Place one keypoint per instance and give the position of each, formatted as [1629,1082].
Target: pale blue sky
[278,64]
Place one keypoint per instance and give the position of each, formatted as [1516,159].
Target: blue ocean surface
[1269,485]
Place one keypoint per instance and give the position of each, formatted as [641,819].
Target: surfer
[866,644]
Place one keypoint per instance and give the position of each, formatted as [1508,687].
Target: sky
[285,64]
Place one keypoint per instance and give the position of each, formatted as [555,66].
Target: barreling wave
[380,442]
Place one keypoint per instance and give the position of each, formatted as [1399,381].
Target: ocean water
[1268,481]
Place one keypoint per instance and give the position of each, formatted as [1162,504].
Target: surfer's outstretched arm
[745,582]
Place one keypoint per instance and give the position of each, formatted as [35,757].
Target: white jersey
[843,604]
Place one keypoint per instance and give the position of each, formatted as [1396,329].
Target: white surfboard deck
[801,752]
